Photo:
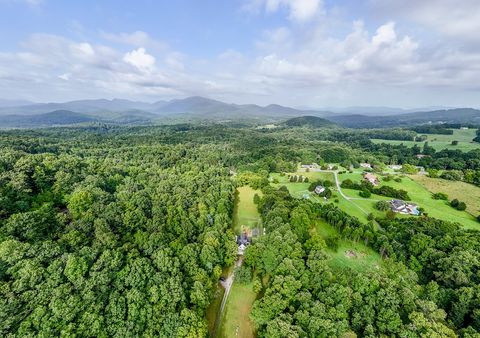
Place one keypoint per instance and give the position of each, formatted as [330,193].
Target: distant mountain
[308,121]
[458,115]
[194,108]
[14,103]
[198,108]
[55,118]
[81,106]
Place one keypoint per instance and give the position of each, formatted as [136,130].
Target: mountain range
[25,114]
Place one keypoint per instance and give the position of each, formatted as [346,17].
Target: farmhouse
[395,166]
[319,189]
[242,241]
[371,178]
[309,166]
[405,208]
[366,165]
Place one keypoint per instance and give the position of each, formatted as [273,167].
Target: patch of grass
[439,142]
[245,211]
[236,321]
[420,195]
[364,259]
[462,191]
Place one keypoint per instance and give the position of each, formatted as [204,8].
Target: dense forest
[124,232]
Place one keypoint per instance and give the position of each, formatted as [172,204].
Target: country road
[227,285]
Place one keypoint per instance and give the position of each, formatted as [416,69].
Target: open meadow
[440,141]
[245,211]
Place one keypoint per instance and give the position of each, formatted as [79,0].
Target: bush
[332,242]
[440,196]
[409,169]
[461,206]
[382,206]
[454,203]
[243,274]
[365,194]
[454,143]
[398,179]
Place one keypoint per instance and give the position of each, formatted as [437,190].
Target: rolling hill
[196,108]
[308,121]
[458,115]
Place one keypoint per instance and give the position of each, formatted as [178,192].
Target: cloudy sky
[303,53]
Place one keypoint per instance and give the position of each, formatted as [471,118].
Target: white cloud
[458,19]
[299,10]
[136,39]
[140,59]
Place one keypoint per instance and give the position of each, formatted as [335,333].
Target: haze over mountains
[25,114]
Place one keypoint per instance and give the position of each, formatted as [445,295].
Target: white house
[319,189]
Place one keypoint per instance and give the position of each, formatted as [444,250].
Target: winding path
[227,285]
[339,189]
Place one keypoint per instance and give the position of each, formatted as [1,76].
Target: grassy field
[420,195]
[468,193]
[236,321]
[297,190]
[365,258]
[439,142]
[245,211]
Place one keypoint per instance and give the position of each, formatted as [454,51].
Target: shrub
[454,203]
[454,143]
[365,193]
[398,179]
[332,242]
[382,205]
[461,206]
[243,275]
[440,196]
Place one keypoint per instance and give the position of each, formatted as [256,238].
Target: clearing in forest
[245,213]
[299,190]
[349,254]
[440,142]
[236,321]
[419,195]
[462,191]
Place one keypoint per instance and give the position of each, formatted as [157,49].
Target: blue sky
[312,53]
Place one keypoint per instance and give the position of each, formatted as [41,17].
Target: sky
[301,53]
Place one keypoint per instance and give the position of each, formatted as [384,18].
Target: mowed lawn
[297,190]
[364,259]
[236,321]
[420,195]
[465,192]
[439,141]
[245,212]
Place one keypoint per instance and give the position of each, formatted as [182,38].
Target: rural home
[242,241]
[396,167]
[309,166]
[319,189]
[405,208]
[366,165]
[371,178]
